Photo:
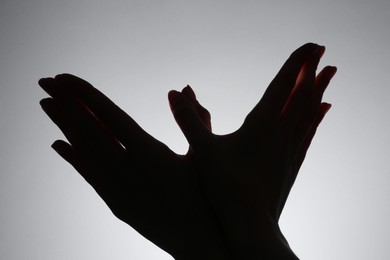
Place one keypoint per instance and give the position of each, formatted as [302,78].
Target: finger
[127,131]
[57,114]
[85,134]
[186,116]
[323,79]
[100,182]
[321,83]
[300,98]
[276,95]
[301,154]
[189,93]
[324,108]
[203,113]
[306,129]
[69,154]
[309,115]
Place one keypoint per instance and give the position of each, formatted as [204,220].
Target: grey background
[228,51]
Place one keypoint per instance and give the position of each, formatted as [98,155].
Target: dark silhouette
[223,199]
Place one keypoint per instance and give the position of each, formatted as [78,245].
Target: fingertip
[173,97]
[326,107]
[69,81]
[321,50]
[310,45]
[64,76]
[67,152]
[47,84]
[324,77]
[43,81]
[45,102]
[333,69]
[59,146]
[189,93]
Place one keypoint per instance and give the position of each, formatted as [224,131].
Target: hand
[248,174]
[143,182]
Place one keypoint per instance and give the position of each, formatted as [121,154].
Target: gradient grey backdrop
[135,52]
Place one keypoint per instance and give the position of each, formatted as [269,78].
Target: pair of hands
[223,199]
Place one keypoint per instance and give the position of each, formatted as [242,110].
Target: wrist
[257,238]
[209,246]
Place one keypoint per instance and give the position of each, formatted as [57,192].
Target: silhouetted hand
[143,182]
[247,175]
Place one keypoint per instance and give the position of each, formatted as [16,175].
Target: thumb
[189,121]
[202,112]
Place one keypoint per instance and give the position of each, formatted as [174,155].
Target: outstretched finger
[324,108]
[125,129]
[301,154]
[69,154]
[308,117]
[275,97]
[202,112]
[82,130]
[189,121]
[301,97]
[322,81]
[99,182]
